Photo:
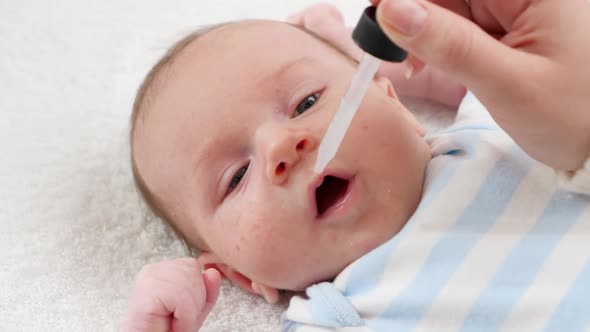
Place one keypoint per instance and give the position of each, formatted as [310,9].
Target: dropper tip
[320,165]
[318,169]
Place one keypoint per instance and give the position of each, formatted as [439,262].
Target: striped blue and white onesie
[495,244]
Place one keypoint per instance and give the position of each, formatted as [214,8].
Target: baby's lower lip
[342,207]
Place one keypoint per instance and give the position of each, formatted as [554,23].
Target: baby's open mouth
[330,193]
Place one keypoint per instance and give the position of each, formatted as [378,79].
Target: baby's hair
[147,91]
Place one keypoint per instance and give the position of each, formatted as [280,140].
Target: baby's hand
[171,296]
[327,21]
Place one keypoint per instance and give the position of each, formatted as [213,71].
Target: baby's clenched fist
[171,296]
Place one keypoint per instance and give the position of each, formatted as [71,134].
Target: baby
[224,138]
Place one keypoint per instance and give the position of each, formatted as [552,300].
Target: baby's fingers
[212,280]
[186,312]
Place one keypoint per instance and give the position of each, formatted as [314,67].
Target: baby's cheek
[268,244]
[253,233]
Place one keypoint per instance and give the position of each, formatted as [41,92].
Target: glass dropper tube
[348,107]
[377,46]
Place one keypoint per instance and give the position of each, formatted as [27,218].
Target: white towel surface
[73,233]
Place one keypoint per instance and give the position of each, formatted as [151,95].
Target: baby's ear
[386,85]
[209,260]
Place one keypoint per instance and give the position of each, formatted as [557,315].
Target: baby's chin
[318,276]
[302,286]
[298,277]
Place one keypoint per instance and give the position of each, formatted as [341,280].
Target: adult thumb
[449,42]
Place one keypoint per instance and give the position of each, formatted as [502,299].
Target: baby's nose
[283,148]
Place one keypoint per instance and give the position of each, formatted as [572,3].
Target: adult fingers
[414,66]
[450,42]
[460,7]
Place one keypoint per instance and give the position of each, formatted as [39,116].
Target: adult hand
[526,61]
[327,21]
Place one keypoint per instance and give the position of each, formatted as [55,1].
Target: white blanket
[73,233]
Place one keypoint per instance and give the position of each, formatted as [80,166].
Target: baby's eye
[235,181]
[306,104]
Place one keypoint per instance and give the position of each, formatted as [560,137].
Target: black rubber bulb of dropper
[368,35]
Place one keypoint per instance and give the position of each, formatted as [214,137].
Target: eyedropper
[377,46]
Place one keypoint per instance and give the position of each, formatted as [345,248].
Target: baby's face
[230,140]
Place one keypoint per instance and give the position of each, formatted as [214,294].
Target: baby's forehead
[240,55]
[256,39]
[254,32]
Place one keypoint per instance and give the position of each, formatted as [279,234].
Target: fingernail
[407,16]
[266,297]
[409,71]
[255,288]
[272,299]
